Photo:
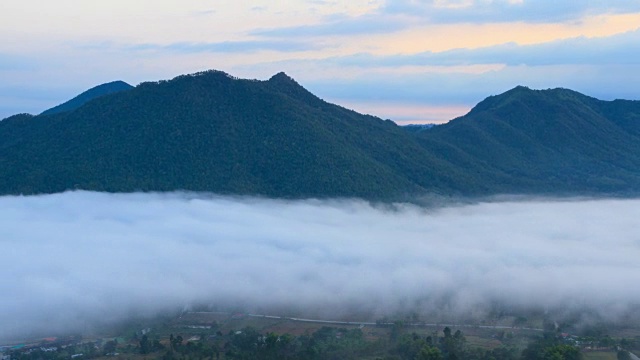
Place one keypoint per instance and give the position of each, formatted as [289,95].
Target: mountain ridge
[557,136]
[210,131]
[86,96]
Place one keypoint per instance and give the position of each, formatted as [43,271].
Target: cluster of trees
[335,343]
[448,347]
[331,343]
[177,349]
[326,343]
[550,347]
[148,346]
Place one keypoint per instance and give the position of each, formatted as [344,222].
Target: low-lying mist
[72,260]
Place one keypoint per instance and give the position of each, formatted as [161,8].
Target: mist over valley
[78,260]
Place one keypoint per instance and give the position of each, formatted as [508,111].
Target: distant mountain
[212,132]
[545,141]
[417,127]
[93,93]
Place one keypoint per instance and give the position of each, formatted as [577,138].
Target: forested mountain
[212,132]
[545,141]
[93,93]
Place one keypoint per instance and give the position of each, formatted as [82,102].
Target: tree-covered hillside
[212,132]
[546,141]
[93,93]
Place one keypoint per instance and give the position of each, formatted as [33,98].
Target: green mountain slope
[93,93]
[546,141]
[211,132]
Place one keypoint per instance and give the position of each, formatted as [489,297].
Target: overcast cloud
[69,260]
[398,15]
[536,11]
[340,25]
[230,46]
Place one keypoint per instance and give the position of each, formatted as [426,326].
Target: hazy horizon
[405,60]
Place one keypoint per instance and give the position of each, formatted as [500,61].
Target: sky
[407,60]
[73,261]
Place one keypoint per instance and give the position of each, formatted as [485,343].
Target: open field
[213,324]
[217,331]
[600,355]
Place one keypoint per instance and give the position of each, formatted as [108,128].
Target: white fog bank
[74,258]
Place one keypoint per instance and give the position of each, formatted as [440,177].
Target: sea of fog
[72,260]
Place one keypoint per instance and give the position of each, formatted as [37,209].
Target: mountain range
[212,132]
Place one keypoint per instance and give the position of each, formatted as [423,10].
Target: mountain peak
[93,93]
[18,117]
[280,75]
[521,88]
[287,85]
[523,94]
[552,92]
[283,78]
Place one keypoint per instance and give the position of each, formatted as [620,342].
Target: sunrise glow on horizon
[409,61]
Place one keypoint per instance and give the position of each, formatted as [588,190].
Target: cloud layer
[401,54]
[74,259]
[464,11]
[398,15]
[612,50]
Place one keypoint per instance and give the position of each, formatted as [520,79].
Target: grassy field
[600,355]
[483,342]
